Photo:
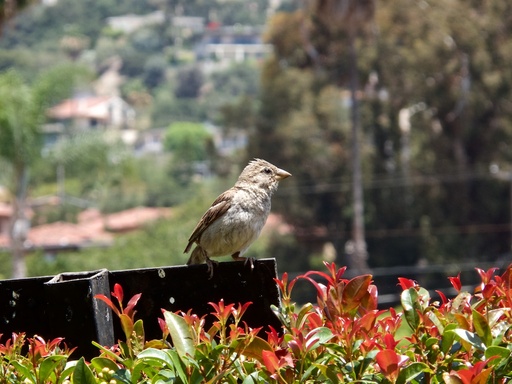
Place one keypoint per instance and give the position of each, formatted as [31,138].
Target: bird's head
[263,174]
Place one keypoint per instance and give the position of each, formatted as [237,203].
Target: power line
[386,182]
[444,230]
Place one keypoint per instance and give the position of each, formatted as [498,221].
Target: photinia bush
[343,337]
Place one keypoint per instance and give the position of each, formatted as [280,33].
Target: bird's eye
[267,170]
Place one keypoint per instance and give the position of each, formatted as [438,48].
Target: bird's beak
[282,174]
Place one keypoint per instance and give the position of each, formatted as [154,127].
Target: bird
[236,217]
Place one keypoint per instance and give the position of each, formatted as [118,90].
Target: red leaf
[369,301]
[507,277]
[488,290]
[239,312]
[486,275]
[406,283]
[273,337]
[456,282]
[163,326]
[390,341]
[270,360]
[443,297]
[320,288]
[314,320]
[222,312]
[118,292]
[355,290]
[367,321]
[282,282]
[388,360]
[131,304]
[108,302]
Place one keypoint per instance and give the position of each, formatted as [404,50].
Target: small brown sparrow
[237,216]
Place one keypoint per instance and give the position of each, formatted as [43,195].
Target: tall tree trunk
[360,254]
[19,225]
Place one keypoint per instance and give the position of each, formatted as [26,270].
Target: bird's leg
[210,263]
[198,256]
[236,256]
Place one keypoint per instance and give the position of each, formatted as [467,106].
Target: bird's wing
[218,208]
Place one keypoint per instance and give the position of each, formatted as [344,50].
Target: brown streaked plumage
[236,217]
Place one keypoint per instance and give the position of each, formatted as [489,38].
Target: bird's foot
[246,260]
[210,263]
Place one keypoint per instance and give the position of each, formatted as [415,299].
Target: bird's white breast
[237,229]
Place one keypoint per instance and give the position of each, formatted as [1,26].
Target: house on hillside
[232,43]
[130,23]
[87,113]
[94,112]
[186,26]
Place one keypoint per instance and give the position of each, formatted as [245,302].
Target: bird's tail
[198,256]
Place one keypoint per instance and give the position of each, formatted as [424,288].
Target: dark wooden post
[64,306]
[73,312]
[180,288]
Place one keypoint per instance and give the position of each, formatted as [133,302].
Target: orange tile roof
[90,229]
[134,218]
[79,107]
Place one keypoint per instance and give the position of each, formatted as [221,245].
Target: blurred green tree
[23,108]
[191,146]
[435,113]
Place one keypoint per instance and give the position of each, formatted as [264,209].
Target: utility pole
[505,176]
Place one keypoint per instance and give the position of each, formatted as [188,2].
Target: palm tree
[22,112]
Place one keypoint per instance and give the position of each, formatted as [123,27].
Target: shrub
[344,337]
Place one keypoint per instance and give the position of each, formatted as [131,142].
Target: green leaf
[493,316]
[411,371]
[435,320]
[82,373]
[126,325]
[254,378]
[255,348]
[451,379]
[332,373]
[102,362]
[48,365]
[409,299]
[138,328]
[502,353]
[123,375]
[67,371]
[156,354]
[460,301]
[431,341]
[317,337]
[482,327]
[177,363]
[423,298]
[448,337]
[470,337]
[143,366]
[108,352]
[500,329]
[26,372]
[180,334]
[164,376]
[302,315]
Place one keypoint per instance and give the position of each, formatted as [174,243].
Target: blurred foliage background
[435,100]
